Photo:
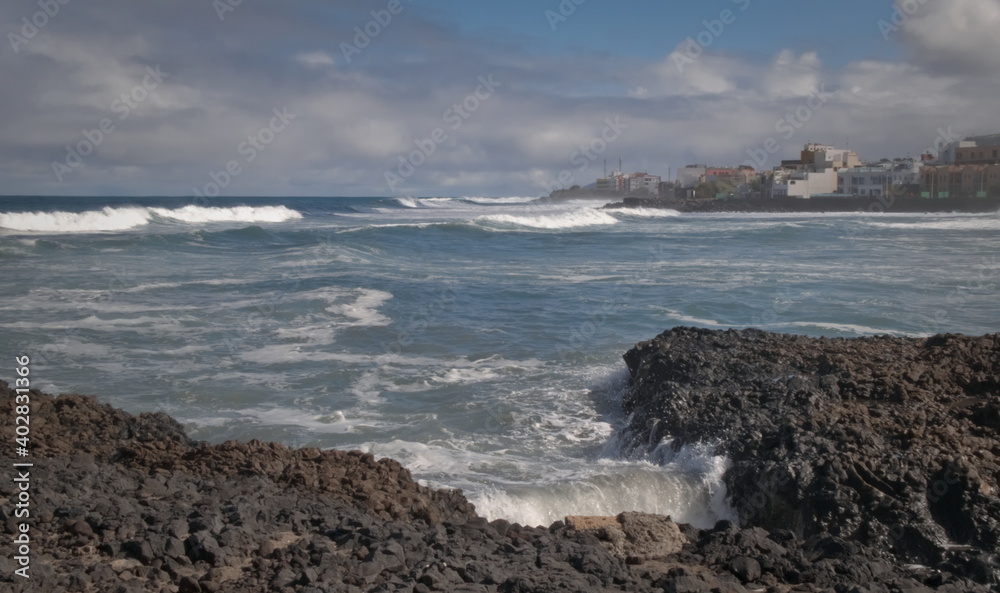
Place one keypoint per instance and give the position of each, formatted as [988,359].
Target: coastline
[818,204]
[130,503]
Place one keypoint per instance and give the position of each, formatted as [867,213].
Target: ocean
[476,340]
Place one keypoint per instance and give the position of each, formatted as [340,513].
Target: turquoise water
[477,340]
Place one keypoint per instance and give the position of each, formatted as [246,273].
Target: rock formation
[892,443]
[862,465]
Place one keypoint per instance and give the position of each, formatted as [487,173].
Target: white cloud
[954,36]
[315,59]
[354,120]
[793,76]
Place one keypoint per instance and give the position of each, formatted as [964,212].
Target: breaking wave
[568,220]
[110,219]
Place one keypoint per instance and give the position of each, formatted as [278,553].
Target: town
[968,168]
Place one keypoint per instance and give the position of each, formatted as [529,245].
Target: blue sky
[471,98]
[651,29]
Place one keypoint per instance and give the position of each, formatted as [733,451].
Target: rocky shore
[862,465]
[888,443]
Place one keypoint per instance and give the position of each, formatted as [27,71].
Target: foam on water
[423,202]
[109,219]
[956,223]
[688,495]
[196,214]
[568,220]
[94,221]
[647,213]
[363,310]
[849,329]
[491,201]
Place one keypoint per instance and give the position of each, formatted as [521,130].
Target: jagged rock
[890,443]
[635,537]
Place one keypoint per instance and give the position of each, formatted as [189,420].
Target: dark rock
[746,569]
[863,446]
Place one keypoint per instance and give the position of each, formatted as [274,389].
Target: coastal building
[613,184]
[974,150]
[947,181]
[984,150]
[691,176]
[816,172]
[824,156]
[878,179]
[736,176]
[618,182]
[805,184]
[638,183]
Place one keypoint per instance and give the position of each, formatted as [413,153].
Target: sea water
[477,340]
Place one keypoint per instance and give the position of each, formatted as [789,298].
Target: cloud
[354,120]
[957,36]
[315,58]
[793,76]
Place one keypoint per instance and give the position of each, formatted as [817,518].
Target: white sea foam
[510,200]
[573,219]
[695,497]
[646,213]
[120,219]
[196,214]
[983,222]
[92,221]
[407,202]
[418,225]
[336,422]
[682,318]
[849,328]
[364,309]
[423,202]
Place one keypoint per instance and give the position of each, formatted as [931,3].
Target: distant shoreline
[868,204]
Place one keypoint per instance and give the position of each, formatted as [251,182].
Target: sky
[471,98]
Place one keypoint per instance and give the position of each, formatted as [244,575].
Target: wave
[104,220]
[110,219]
[196,214]
[979,223]
[568,220]
[491,201]
[850,329]
[690,489]
[647,213]
[422,202]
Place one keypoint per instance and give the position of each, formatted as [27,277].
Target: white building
[818,175]
[691,175]
[823,156]
[643,182]
[805,184]
[948,154]
[878,179]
